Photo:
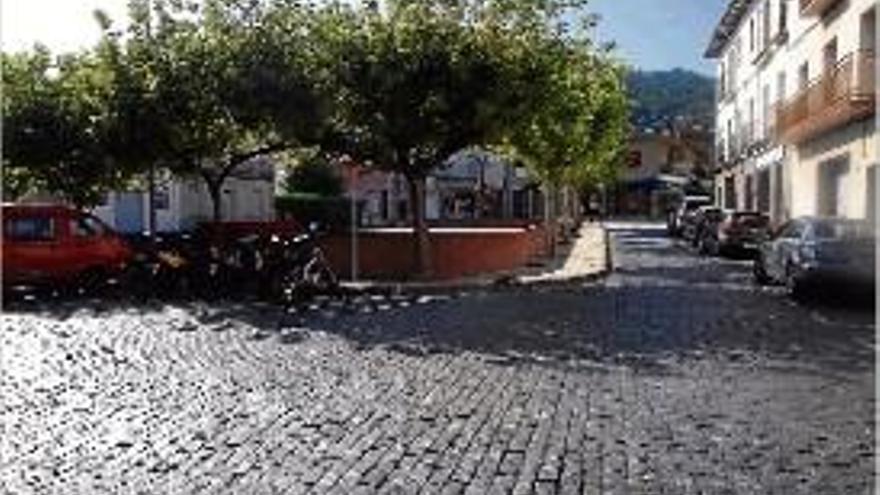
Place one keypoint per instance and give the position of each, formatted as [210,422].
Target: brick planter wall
[456,252]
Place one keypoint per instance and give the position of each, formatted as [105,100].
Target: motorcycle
[158,267]
[298,268]
[287,270]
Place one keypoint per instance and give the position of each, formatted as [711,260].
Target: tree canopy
[198,89]
[59,126]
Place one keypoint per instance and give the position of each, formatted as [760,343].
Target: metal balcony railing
[844,93]
[816,7]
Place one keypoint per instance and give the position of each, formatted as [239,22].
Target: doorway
[764,191]
[832,187]
[868,30]
[750,193]
[129,211]
[871,194]
[778,202]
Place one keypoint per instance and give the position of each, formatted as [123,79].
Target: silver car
[813,253]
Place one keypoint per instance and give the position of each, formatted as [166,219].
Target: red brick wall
[389,255]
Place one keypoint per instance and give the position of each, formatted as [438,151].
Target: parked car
[679,216]
[57,245]
[703,218]
[735,231]
[813,253]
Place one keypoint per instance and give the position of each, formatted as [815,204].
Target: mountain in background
[659,97]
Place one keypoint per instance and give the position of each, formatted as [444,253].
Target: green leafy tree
[58,126]
[570,120]
[216,85]
[415,83]
[313,173]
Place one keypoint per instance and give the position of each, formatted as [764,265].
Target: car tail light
[726,225]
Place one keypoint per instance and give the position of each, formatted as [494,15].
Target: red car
[50,244]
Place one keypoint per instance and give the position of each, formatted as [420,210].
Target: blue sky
[660,34]
[651,34]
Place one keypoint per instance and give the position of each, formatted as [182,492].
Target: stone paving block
[674,375]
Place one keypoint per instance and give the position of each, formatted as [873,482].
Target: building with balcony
[796,107]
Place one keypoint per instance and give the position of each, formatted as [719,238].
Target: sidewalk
[585,257]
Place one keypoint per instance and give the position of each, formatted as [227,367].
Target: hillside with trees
[658,96]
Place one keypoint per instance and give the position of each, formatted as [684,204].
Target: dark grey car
[736,231]
[818,253]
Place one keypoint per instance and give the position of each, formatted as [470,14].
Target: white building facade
[181,203]
[796,106]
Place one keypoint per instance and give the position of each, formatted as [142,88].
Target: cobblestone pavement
[675,376]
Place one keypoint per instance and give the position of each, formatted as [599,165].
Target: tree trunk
[550,217]
[423,266]
[215,188]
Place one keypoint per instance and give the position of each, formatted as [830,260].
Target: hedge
[306,207]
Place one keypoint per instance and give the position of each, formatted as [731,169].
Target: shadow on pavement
[662,306]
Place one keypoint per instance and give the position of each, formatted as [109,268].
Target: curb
[609,261]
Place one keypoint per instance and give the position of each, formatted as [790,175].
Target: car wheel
[713,247]
[703,246]
[760,272]
[793,285]
[90,282]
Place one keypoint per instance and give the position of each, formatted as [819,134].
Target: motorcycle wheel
[320,276]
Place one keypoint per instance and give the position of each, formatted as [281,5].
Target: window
[161,198]
[730,193]
[868,30]
[829,55]
[765,111]
[791,230]
[752,34]
[85,227]
[750,130]
[767,23]
[783,16]
[804,75]
[841,229]
[635,159]
[730,144]
[30,229]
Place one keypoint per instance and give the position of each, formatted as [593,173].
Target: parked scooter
[159,266]
[286,270]
[298,268]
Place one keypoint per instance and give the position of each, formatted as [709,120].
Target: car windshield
[842,229]
[693,204]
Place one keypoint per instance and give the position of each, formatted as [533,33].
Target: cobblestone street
[674,375]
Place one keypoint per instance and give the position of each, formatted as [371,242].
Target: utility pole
[151,193]
[352,194]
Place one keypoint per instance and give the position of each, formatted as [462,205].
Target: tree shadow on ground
[651,316]
[646,327]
